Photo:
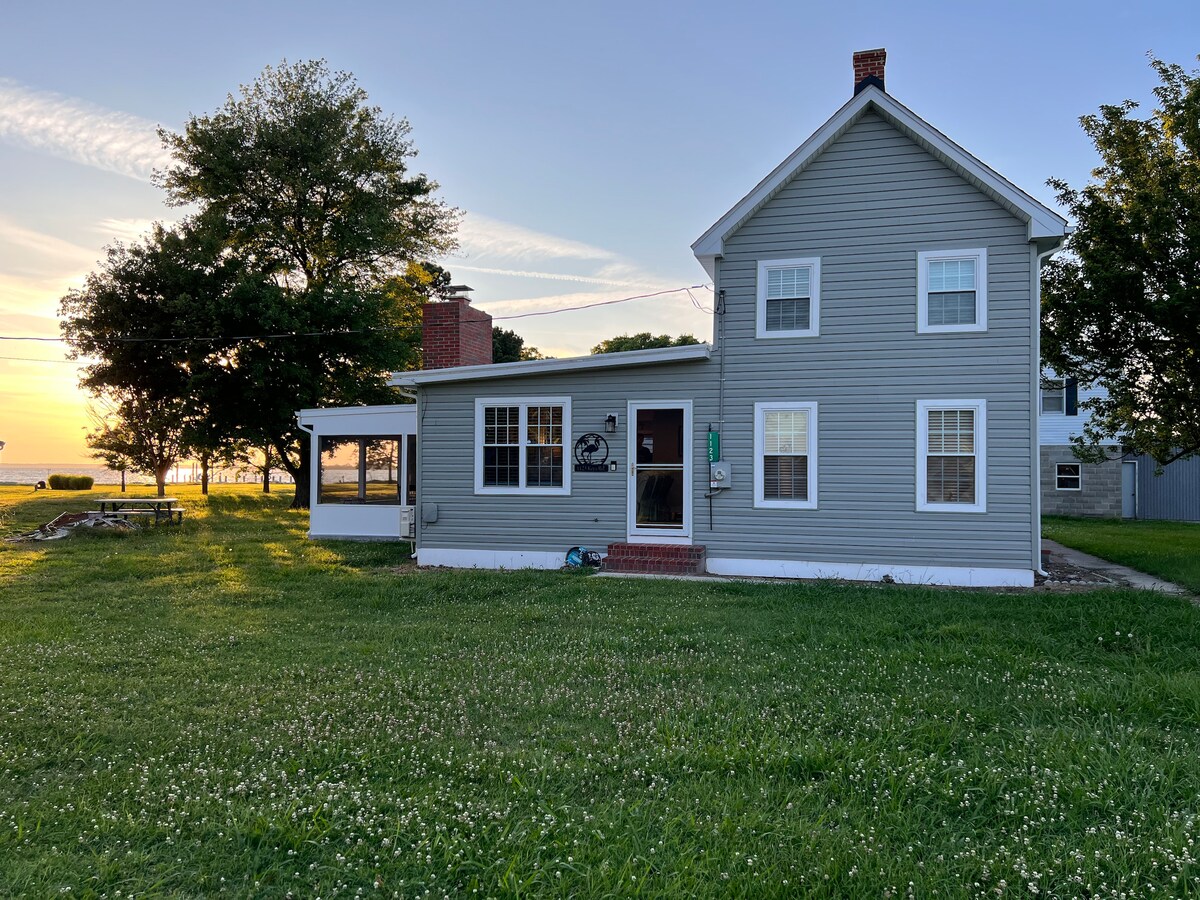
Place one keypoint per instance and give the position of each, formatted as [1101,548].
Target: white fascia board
[655,356]
[321,412]
[1043,221]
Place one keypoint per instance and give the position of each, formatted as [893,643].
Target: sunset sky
[588,145]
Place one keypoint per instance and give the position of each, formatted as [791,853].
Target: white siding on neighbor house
[866,208]
[1056,429]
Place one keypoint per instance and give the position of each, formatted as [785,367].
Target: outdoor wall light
[612,465]
[610,423]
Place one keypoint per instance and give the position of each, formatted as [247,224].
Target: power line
[31,359]
[123,339]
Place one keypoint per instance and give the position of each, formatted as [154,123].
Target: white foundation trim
[958,576]
[459,558]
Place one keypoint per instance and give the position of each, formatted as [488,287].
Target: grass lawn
[224,706]
[1170,550]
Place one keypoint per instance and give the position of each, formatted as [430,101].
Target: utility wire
[122,339]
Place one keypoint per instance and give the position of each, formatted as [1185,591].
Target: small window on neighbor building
[789,302]
[952,290]
[1054,395]
[1068,477]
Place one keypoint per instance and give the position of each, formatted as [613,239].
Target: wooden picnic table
[160,507]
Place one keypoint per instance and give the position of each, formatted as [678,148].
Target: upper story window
[951,291]
[785,455]
[789,298]
[1054,395]
[951,455]
[520,445]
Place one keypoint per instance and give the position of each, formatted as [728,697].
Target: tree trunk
[204,466]
[160,479]
[266,470]
[122,481]
[300,471]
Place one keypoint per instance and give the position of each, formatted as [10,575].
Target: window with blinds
[952,290]
[950,468]
[785,442]
[521,446]
[950,465]
[788,301]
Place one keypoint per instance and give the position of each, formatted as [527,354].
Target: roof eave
[655,356]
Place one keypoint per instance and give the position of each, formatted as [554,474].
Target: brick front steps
[655,559]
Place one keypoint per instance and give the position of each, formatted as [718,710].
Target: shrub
[70,482]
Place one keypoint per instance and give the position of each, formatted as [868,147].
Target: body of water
[183,474]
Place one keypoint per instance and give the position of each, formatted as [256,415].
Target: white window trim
[1056,476]
[760,410]
[814,306]
[924,257]
[1062,391]
[980,408]
[524,403]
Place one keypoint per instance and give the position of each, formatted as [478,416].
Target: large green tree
[308,187]
[642,341]
[508,346]
[1122,308]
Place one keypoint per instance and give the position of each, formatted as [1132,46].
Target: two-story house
[867,407]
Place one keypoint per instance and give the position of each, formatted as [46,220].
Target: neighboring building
[1127,486]
[868,406]
[1070,487]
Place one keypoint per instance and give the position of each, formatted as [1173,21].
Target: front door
[660,472]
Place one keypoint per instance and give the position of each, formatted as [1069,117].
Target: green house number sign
[714,446]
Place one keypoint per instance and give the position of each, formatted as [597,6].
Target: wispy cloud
[483,237]
[82,132]
[128,231]
[549,276]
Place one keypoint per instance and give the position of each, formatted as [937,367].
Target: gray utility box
[719,475]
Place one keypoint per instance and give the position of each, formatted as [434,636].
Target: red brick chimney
[453,333]
[868,68]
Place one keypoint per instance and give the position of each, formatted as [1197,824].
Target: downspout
[1036,402]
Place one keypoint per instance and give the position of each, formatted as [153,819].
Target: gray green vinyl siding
[865,207]
[594,513]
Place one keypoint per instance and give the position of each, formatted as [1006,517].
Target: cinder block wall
[1101,492]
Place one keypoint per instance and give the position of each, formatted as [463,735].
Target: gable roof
[1046,226]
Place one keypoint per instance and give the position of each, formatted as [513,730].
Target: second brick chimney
[454,333]
[868,68]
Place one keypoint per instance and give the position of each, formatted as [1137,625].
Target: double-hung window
[1054,395]
[789,298]
[520,445]
[952,455]
[1068,477]
[951,291]
[785,455]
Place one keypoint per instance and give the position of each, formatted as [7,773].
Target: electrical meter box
[719,475]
